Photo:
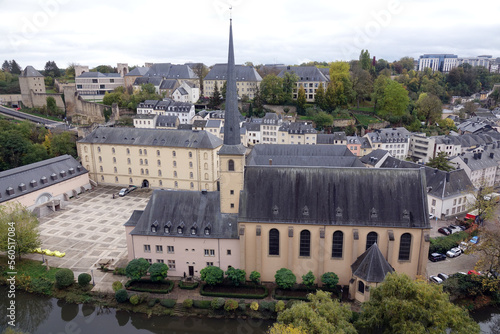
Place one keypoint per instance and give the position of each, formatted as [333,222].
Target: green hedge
[188,286]
[129,286]
[278,297]
[237,295]
[168,303]
[445,243]
[203,304]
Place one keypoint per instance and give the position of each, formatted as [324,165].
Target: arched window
[98,149]
[145,152]
[100,159]
[130,170]
[113,150]
[205,155]
[192,185]
[305,243]
[361,287]
[140,151]
[159,172]
[100,168]
[159,163]
[206,176]
[130,180]
[206,166]
[114,160]
[190,175]
[145,161]
[190,154]
[85,149]
[116,179]
[142,171]
[147,171]
[102,178]
[175,163]
[230,165]
[173,153]
[128,151]
[87,158]
[128,161]
[274,242]
[175,173]
[141,161]
[176,184]
[161,183]
[371,238]
[190,164]
[404,247]
[158,152]
[115,170]
[337,244]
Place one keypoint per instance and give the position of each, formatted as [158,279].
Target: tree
[255,277]
[330,280]
[285,329]
[103,69]
[158,271]
[223,90]
[440,161]
[137,268]
[201,71]
[485,206]
[14,67]
[63,143]
[6,66]
[379,86]
[64,278]
[365,61]
[319,98]
[323,120]
[402,305]
[212,275]
[51,69]
[237,276]
[429,108]
[271,89]
[470,108]
[362,84]
[215,100]
[321,315]
[301,100]
[285,278]
[289,84]
[18,230]
[308,279]
[488,250]
[395,101]
[340,80]
[51,105]
[70,70]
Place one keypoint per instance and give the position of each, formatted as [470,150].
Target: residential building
[187,92]
[375,159]
[45,184]
[480,167]
[354,145]
[297,133]
[336,138]
[476,61]
[214,126]
[271,123]
[183,110]
[437,62]
[130,77]
[96,83]
[393,140]
[168,159]
[309,78]
[253,132]
[30,80]
[140,81]
[247,80]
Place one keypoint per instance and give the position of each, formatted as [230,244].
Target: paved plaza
[90,230]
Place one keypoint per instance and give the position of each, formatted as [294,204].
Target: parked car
[474,240]
[435,279]
[443,276]
[454,229]
[434,257]
[454,252]
[444,230]
[463,246]
[431,216]
[473,272]
[125,191]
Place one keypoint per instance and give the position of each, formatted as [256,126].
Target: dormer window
[193,230]
[305,211]
[207,231]
[153,229]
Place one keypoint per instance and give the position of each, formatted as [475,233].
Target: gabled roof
[147,80]
[297,128]
[185,209]
[252,126]
[153,137]
[375,156]
[305,73]
[39,175]
[166,121]
[138,71]
[30,71]
[243,73]
[170,71]
[302,155]
[168,84]
[371,266]
[335,196]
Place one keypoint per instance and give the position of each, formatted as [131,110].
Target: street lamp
[92,272]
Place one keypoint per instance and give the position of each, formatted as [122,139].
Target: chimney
[492,155]
[466,160]
[270,162]
[447,176]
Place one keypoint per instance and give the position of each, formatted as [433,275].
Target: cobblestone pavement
[90,230]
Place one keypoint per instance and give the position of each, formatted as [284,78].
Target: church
[296,212]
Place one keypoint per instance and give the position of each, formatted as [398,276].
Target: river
[43,315]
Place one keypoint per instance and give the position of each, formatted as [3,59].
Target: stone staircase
[178,310]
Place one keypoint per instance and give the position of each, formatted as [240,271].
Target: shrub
[308,279]
[163,287]
[84,279]
[119,271]
[152,302]
[267,306]
[212,275]
[134,299]
[280,306]
[121,296]
[250,293]
[137,268]
[158,271]
[64,278]
[187,303]
[254,306]
[203,304]
[255,277]
[217,303]
[285,278]
[188,286]
[237,276]
[117,285]
[230,305]
[291,302]
[168,303]
[445,243]
[41,285]
[242,306]
[330,280]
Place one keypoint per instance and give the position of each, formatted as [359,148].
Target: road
[35,119]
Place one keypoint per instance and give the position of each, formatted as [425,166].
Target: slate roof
[365,143]
[297,128]
[252,126]
[168,84]
[305,73]
[39,175]
[200,123]
[213,123]
[334,196]
[30,71]
[152,137]
[389,135]
[147,80]
[375,156]
[182,91]
[243,73]
[473,126]
[184,209]
[371,266]
[166,121]
[138,71]
[185,126]
[475,163]
[171,71]
[440,184]
[99,75]
[302,155]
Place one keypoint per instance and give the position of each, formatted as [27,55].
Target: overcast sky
[274,31]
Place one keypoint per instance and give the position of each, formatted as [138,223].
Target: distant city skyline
[287,32]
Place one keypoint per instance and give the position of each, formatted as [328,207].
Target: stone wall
[378,126]
[39,100]
[80,111]
[58,86]
[10,98]
[343,123]
[280,109]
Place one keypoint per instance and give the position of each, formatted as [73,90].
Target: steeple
[232,141]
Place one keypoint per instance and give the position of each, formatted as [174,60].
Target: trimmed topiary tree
[212,275]
[308,279]
[137,268]
[237,276]
[84,279]
[230,305]
[280,306]
[134,299]
[255,277]
[117,285]
[158,272]
[187,303]
[285,279]
[121,296]
[330,280]
[217,303]
[64,278]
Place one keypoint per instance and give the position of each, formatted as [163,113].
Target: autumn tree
[362,84]
[488,250]
[201,71]
[429,108]
[481,202]
[289,84]
[18,230]
[319,97]
[301,100]
[365,61]
[379,86]
[402,305]
[340,80]
[320,315]
[271,89]
[440,161]
[395,101]
[322,120]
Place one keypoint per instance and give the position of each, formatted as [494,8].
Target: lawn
[31,268]
[365,119]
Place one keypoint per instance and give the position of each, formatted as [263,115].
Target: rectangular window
[147,248]
[455,201]
[170,249]
[160,261]
[228,252]
[150,261]
[433,202]
[210,264]
[159,248]
[453,211]
[171,264]
[209,252]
